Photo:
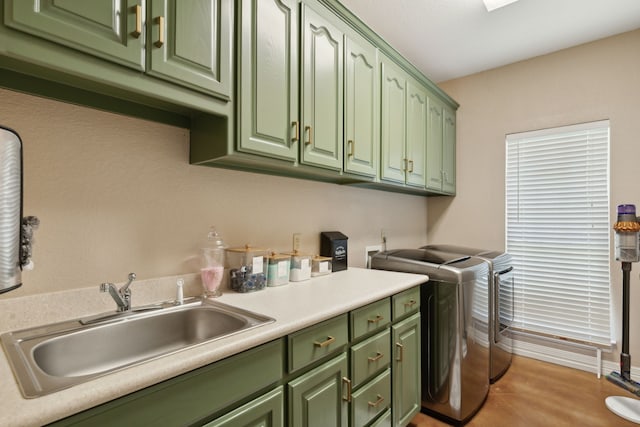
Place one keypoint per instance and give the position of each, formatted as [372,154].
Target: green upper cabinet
[404,127]
[322,90]
[434,144]
[393,118]
[189,43]
[361,106]
[110,29]
[441,148]
[416,134]
[186,43]
[268,78]
[449,152]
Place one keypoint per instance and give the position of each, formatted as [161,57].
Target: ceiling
[447,39]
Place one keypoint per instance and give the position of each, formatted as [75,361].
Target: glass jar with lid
[278,269]
[300,267]
[247,269]
[212,270]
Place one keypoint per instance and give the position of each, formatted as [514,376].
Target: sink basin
[53,357]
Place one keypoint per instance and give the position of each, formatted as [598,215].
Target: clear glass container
[320,265]
[278,269]
[213,258]
[247,268]
[300,267]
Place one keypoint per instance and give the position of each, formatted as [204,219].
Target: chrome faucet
[121,296]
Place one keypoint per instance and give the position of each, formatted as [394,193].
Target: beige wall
[600,80]
[116,194]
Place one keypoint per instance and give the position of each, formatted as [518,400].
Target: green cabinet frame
[406,370]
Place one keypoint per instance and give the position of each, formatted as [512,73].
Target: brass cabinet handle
[138,31]
[346,381]
[352,148]
[410,303]
[160,41]
[401,354]
[310,132]
[296,136]
[377,319]
[375,358]
[324,343]
[377,402]
[410,166]
[406,162]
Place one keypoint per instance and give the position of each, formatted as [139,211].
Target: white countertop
[294,306]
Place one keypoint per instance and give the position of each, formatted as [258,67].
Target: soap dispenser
[212,269]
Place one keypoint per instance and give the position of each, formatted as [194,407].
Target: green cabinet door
[109,29]
[189,43]
[434,144]
[405,370]
[393,119]
[322,90]
[317,398]
[268,78]
[449,152]
[362,106]
[265,411]
[416,134]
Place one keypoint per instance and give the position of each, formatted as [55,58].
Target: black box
[334,244]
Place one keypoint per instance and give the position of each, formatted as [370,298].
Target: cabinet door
[268,73]
[362,106]
[416,134]
[190,43]
[322,91]
[393,119]
[406,370]
[109,29]
[434,145]
[265,411]
[449,152]
[317,399]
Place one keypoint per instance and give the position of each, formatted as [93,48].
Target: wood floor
[539,394]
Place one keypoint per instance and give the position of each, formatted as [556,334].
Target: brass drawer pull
[324,343]
[401,353]
[410,303]
[375,358]
[352,147]
[138,31]
[346,381]
[297,134]
[160,41]
[377,319]
[377,402]
[410,166]
[310,132]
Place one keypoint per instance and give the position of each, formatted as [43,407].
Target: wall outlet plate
[370,251]
[296,242]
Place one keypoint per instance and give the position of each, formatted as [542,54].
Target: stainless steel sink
[53,357]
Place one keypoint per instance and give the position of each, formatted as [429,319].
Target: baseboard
[579,358]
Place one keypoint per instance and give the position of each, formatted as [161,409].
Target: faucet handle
[104,287]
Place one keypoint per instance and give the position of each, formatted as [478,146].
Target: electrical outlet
[370,251]
[296,241]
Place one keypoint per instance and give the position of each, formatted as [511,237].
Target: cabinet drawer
[316,342]
[371,400]
[370,318]
[370,356]
[267,410]
[406,302]
[384,420]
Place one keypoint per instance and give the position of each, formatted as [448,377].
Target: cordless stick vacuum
[627,250]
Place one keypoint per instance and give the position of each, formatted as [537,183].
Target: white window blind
[557,228]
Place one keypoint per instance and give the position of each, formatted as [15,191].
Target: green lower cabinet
[384,420]
[406,370]
[265,411]
[371,400]
[317,398]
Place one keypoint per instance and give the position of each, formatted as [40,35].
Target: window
[557,203]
